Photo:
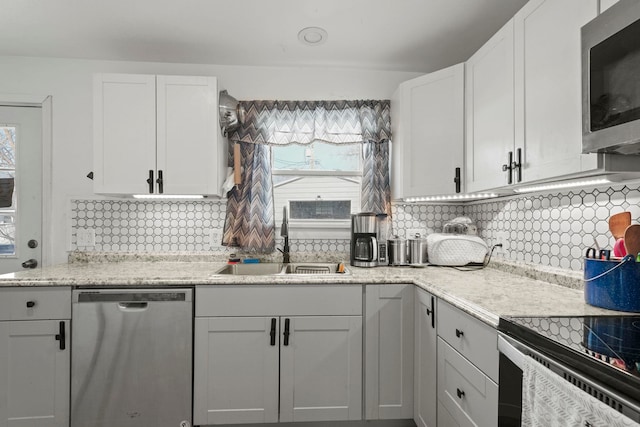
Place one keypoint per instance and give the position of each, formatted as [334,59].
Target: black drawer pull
[460,393]
[62,337]
[286,332]
[31,304]
[272,333]
[459,333]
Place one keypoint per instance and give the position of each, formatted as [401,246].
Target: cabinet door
[34,374]
[235,370]
[124,133]
[429,145]
[489,107]
[321,368]
[548,79]
[189,153]
[389,352]
[426,360]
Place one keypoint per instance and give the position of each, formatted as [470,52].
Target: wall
[69,82]
[551,229]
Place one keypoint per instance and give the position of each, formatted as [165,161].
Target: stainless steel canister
[417,250]
[397,249]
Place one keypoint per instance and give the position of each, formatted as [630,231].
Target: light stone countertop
[486,294]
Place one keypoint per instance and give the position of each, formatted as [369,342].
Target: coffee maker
[366,249]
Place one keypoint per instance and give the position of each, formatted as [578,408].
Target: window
[7,195]
[320,185]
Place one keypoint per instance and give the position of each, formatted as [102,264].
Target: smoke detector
[312,36]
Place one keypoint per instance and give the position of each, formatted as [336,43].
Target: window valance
[302,122]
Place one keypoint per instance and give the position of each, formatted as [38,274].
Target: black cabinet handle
[31,304]
[517,165]
[433,312]
[160,182]
[150,181]
[460,393]
[509,167]
[458,180]
[272,333]
[286,332]
[62,337]
[459,333]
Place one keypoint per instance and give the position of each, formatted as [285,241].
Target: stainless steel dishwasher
[131,358]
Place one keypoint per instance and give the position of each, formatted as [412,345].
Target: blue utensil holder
[612,284]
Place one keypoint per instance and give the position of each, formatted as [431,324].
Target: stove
[605,348]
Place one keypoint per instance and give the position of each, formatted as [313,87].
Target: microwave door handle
[374,251]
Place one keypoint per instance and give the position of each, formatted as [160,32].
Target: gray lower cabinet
[277,353]
[34,357]
[425,394]
[467,370]
[389,352]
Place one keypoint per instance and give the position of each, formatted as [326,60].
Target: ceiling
[402,35]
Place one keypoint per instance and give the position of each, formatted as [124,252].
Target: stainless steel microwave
[611,80]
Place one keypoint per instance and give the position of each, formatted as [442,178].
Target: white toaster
[455,249]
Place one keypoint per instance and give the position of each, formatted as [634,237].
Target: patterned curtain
[250,222]
[250,218]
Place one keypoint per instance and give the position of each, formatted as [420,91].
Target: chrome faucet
[284,232]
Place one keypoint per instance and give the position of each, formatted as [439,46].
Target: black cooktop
[605,348]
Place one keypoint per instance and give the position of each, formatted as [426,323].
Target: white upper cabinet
[428,134]
[157,134]
[606,4]
[548,102]
[489,111]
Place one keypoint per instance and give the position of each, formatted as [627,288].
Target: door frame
[46,103]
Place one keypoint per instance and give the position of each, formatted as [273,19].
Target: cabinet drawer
[303,300]
[35,303]
[474,339]
[468,395]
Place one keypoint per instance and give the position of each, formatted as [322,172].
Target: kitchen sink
[260,269]
[315,268]
[271,269]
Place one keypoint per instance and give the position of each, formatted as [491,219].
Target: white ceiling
[403,35]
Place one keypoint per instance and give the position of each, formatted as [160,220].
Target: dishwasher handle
[131,296]
[133,306]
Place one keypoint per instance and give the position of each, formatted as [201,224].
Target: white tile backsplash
[553,229]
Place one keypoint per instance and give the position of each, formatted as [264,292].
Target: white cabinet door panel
[548,106]
[321,369]
[426,360]
[389,352]
[124,132]
[489,111]
[236,371]
[187,145]
[34,374]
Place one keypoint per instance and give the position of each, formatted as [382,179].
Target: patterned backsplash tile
[552,230]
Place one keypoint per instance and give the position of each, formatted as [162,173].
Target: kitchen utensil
[619,249]
[592,253]
[417,251]
[632,240]
[618,223]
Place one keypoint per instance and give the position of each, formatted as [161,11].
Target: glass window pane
[7,234]
[7,147]
[320,209]
[320,156]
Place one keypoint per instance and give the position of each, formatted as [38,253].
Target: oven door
[512,356]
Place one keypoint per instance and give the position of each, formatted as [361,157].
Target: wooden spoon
[632,239]
[618,224]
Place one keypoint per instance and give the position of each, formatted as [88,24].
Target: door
[321,368]
[489,111]
[389,352]
[426,360]
[236,365]
[34,374]
[20,187]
